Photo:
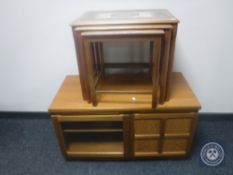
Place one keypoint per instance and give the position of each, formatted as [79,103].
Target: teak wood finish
[141,20]
[124,129]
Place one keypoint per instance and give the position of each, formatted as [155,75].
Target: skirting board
[46,115]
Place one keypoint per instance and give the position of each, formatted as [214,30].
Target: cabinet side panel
[192,132]
[59,134]
[128,136]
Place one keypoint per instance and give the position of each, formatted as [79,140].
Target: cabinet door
[97,136]
[164,134]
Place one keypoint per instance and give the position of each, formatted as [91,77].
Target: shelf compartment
[93,136]
[123,82]
[92,130]
[92,126]
[124,92]
[127,65]
[95,149]
[94,144]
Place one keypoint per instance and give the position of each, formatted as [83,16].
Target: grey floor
[28,146]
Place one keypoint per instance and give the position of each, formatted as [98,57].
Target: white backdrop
[37,49]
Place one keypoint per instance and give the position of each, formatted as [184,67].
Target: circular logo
[212,154]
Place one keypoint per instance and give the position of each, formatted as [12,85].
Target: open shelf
[92,130]
[125,83]
[93,149]
[94,139]
[127,65]
[92,126]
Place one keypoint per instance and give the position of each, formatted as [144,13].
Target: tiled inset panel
[147,126]
[178,126]
[175,145]
[146,145]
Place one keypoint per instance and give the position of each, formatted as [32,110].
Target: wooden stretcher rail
[124,32]
[124,91]
[127,65]
[122,27]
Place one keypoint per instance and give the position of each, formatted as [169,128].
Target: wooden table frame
[154,36]
[170,30]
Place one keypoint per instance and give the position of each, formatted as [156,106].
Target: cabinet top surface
[69,99]
[125,17]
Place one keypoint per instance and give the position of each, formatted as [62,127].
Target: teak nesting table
[121,129]
[104,114]
[93,28]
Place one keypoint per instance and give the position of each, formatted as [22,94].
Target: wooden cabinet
[125,135]
[129,130]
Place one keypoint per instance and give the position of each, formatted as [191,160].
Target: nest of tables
[94,30]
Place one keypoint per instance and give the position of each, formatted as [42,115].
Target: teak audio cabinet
[119,128]
[127,22]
